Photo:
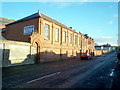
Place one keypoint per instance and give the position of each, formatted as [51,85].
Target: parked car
[85,56]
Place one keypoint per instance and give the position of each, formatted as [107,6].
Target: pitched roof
[3,29]
[26,18]
[38,14]
[53,20]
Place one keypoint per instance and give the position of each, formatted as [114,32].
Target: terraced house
[53,40]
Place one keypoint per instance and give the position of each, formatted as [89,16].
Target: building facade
[53,40]
[101,49]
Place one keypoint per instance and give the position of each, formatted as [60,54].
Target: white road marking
[111,74]
[43,77]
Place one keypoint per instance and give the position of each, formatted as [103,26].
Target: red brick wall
[15,31]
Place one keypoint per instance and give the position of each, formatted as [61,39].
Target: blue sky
[97,19]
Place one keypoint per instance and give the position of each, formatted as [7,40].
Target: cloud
[63,4]
[110,22]
[106,39]
[60,4]
[84,0]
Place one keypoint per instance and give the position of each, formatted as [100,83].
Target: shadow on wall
[52,56]
[5,57]
[8,60]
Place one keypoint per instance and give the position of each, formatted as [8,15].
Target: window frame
[47,32]
[70,38]
[57,34]
[75,39]
[79,40]
[64,36]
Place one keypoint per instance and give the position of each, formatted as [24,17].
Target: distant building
[104,48]
[98,48]
[107,47]
[54,40]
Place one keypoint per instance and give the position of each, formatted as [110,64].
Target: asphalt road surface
[72,73]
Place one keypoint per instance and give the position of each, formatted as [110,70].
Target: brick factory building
[54,40]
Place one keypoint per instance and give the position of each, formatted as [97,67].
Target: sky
[97,19]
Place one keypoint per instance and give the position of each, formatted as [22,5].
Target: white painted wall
[16,53]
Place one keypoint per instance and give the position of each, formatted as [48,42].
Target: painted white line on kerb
[43,77]
[111,74]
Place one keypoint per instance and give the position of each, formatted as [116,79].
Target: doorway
[37,56]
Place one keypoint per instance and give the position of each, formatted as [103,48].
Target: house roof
[86,36]
[26,18]
[3,29]
[39,14]
[97,45]
[53,20]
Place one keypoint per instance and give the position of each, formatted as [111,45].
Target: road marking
[43,77]
[111,74]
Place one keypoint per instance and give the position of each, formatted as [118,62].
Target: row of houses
[52,39]
[101,49]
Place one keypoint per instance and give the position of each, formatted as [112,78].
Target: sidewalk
[14,76]
[116,78]
[41,67]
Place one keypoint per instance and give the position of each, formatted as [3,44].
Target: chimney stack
[71,27]
[38,11]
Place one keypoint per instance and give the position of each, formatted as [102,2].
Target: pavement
[116,78]
[74,73]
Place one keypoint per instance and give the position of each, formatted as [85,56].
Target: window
[70,38]
[57,34]
[78,40]
[89,42]
[75,39]
[83,41]
[46,31]
[64,36]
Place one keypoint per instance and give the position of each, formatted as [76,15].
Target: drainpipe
[61,44]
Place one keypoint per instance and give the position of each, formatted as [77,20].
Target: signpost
[28,30]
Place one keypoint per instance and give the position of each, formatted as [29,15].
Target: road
[62,74]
